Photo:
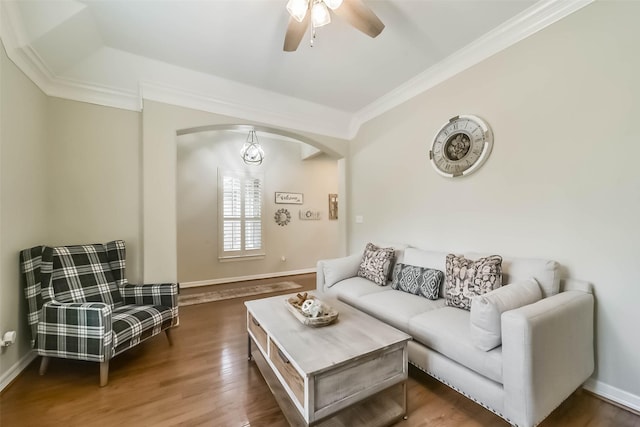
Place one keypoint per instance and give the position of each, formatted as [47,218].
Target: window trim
[242,254]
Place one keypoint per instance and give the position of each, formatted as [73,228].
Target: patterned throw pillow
[376,263]
[417,280]
[465,278]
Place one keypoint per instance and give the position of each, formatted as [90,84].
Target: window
[240,214]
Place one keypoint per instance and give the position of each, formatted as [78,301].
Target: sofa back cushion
[398,248]
[82,273]
[546,272]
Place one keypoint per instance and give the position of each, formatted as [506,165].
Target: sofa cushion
[135,323]
[376,263]
[395,307]
[448,332]
[421,281]
[398,248]
[81,273]
[351,289]
[338,269]
[465,278]
[487,309]
[546,272]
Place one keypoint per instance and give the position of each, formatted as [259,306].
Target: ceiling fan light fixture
[298,9]
[320,14]
[333,4]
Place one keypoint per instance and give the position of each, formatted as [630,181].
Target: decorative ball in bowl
[311,311]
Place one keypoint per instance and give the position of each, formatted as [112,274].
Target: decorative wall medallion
[282,217]
[461,146]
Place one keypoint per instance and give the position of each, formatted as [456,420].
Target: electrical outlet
[8,338]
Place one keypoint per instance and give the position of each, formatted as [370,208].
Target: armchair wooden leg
[44,364]
[104,373]
[168,333]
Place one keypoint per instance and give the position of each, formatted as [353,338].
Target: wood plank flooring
[206,380]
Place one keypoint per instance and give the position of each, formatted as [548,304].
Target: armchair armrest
[331,271]
[75,331]
[165,294]
[547,353]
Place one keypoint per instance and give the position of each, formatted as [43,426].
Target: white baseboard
[613,394]
[16,369]
[245,278]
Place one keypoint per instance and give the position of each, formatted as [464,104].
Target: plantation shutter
[240,214]
[253,214]
[231,212]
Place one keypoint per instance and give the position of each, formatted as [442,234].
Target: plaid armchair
[81,306]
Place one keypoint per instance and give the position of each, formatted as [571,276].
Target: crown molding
[27,59]
[523,25]
[304,118]
[269,107]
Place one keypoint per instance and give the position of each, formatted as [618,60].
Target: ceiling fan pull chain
[313,34]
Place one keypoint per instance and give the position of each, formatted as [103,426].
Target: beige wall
[23,197]
[159,160]
[562,181]
[70,173]
[302,243]
[94,177]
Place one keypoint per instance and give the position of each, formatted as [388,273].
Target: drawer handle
[255,322]
[282,356]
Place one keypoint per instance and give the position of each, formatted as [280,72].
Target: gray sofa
[547,347]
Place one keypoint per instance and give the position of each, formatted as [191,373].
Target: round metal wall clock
[461,146]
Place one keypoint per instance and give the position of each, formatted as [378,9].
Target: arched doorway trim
[263,129]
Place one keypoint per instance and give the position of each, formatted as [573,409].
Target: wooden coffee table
[350,373]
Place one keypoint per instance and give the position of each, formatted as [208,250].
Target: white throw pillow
[339,269]
[486,310]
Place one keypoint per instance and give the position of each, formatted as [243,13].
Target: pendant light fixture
[251,152]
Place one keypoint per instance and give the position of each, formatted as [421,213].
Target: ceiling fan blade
[360,16]
[295,31]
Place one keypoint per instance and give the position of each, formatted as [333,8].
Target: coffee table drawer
[359,376]
[258,332]
[291,376]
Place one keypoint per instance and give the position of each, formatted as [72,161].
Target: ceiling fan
[353,11]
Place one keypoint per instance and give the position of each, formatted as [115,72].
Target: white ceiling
[226,55]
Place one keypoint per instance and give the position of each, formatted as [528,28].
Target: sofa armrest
[547,353]
[75,331]
[331,271]
[165,294]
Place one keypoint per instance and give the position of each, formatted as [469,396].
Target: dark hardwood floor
[205,379]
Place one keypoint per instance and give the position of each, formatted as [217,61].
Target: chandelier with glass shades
[353,11]
[251,152]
